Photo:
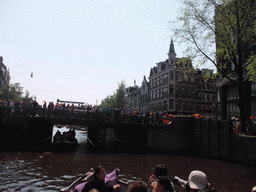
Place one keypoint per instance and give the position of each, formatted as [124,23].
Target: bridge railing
[111,115]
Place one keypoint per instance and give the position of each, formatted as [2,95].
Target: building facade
[144,98]
[206,93]
[133,97]
[4,73]
[170,90]
[233,65]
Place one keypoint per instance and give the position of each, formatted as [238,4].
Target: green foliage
[27,96]
[118,98]
[204,23]
[11,91]
[221,32]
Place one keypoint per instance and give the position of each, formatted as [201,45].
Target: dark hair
[98,169]
[160,170]
[166,183]
[137,186]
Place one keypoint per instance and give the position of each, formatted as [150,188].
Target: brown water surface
[48,171]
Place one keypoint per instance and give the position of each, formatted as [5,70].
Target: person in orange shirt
[166,118]
[152,117]
[135,112]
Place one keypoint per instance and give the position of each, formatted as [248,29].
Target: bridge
[186,135]
[34,133]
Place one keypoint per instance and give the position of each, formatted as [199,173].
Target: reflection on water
[31,171]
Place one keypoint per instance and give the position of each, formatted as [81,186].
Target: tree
[27,96]
[109,101]
[230,25]
[11,91]
[121,99]
[118,98]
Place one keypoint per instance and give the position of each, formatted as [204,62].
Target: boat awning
[75,102]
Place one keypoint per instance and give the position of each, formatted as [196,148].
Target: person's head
[93,190]
[162,184]
[160,170]
[254,189]
[137,186]
[100,173]
[197,180]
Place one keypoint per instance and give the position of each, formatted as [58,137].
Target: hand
[116,186]
[152,178]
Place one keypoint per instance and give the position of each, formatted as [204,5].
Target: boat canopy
[75,102]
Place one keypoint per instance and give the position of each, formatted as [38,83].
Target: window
[231,94]
[161,92]
[234,93]
[171,89]
[253,90]
[203,85]
[232,66]
[157,96]
[154,82]
[161,80]
[185,106]
[191,107]
[199,96]
[159,68]
[157,81]
[171,104]
[171,75]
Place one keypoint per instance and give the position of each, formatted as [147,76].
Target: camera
[178,181]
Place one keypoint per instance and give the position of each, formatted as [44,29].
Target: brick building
[169,89]
[206,92]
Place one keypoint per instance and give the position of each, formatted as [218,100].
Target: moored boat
[59,126]
[64,146]
[111,179]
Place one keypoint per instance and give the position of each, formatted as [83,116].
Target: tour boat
[78,184]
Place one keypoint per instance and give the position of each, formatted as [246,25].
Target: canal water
[51,171]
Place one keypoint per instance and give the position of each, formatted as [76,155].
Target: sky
[79,50]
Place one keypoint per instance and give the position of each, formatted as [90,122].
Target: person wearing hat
[197,181]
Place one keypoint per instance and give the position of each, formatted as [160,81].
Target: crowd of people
[9,108]
[158,182]
[250,127]
[23,108]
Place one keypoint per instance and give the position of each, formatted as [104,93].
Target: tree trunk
[240,72]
